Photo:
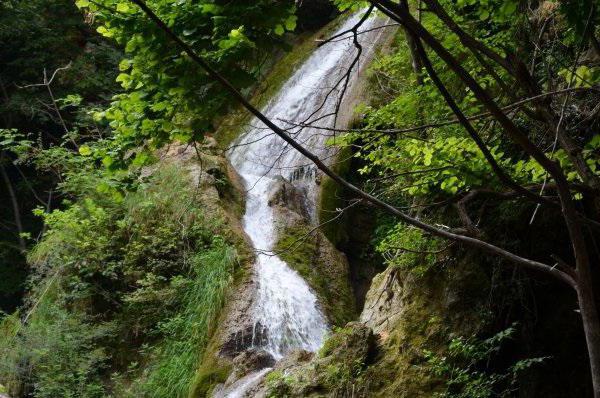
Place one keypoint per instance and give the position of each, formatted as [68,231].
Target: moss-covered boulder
[335,371]
[412,314]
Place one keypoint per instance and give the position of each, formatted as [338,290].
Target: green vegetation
[133,288]
[40,36]
[338,370]
[182,104]
[460,368]
[413,153]
[116,262]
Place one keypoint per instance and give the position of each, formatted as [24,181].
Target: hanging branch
[47,83]
[473,242]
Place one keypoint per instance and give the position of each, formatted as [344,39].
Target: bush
[124,294]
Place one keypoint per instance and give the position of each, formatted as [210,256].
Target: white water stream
[286,308]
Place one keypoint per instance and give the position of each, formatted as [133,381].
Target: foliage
[409,248]
[278,385]
[133,279]
[187,332]
[166,96]
[55,35]
[464,368]
[440,161]
[59,347]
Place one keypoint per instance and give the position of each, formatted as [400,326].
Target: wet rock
[294,358]
[308,251]
[250,360]
[331,373]
[240,337]
[285,194]
[243,387]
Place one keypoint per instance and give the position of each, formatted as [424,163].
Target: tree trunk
[591,328]
[415,59]
[15,205]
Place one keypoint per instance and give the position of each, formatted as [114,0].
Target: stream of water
[286,309]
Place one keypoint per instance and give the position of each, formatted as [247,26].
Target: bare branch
[473,242]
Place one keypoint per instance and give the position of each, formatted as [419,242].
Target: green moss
[301,250]
[211,372]
[331,198]
[334,341]
[428,319]
[396,365]
[278,385]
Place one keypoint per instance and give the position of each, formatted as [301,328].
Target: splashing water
[286,309]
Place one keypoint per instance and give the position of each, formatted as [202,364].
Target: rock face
[333,372]
[411,313]
[306,249]
[382,355]
[284,196]
[251,360]
[385,302]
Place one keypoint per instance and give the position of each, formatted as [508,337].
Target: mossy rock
[413,314]
[336,371]
[332,197]
[324,268]
[212,371]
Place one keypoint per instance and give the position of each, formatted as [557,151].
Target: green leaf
[279,30]
[82,3]
[125,64]
[290,22]
[122,7]
[104,31]
[85,150]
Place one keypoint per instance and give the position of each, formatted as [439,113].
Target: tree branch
[476,243]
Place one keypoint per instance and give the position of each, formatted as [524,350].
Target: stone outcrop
[411,314]
[383,354]
[285,197]
[334,371]
[308,251]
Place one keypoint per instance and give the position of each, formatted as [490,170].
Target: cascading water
[286,309]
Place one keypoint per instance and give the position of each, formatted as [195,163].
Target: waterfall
[286,310]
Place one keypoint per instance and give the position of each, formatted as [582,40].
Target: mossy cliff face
[308,251]
[411,314]
[220,189]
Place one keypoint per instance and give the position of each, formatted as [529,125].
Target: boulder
[251,360]
[283,194]
[330,373]
[308,251]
